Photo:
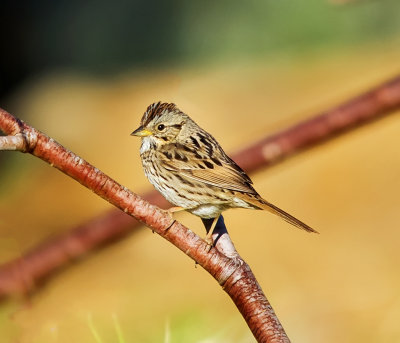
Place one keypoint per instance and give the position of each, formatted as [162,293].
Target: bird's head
[161,123]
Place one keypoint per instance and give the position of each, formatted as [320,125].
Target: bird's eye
[160,127]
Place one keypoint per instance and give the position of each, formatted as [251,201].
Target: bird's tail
[265,205]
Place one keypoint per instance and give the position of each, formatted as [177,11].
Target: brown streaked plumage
[189,168]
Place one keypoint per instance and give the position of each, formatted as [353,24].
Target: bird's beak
[141,132]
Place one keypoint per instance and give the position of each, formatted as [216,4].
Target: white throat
[146,145]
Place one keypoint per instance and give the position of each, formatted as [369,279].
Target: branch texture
[38,264]
[16,142]
[233,274]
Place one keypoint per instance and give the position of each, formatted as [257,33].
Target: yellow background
[339,286]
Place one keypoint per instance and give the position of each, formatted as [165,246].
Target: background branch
[24,274]
[233,274]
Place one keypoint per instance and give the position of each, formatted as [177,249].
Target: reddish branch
[23,274]
[233,274]
[16,142]
[358,111]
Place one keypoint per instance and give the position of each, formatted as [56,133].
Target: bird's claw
[210,243]
[169,213]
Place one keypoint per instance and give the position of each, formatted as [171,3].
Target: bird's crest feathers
[156,110]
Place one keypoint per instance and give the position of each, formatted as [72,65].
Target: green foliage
[287,26]
[103,36]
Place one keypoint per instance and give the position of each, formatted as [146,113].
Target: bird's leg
[175,209]
[172,210]
[209,239]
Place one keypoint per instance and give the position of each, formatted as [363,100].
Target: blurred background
[84,72]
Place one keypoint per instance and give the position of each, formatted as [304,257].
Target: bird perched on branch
[189,168]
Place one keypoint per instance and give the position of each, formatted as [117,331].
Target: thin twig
[233,274]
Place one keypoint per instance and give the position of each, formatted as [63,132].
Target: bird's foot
[210,243]
[170,212]
[209,239]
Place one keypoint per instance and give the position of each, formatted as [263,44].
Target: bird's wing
[215,169]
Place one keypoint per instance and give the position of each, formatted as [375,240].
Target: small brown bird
[189,168]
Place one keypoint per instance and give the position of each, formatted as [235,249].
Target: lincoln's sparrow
[189,168]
